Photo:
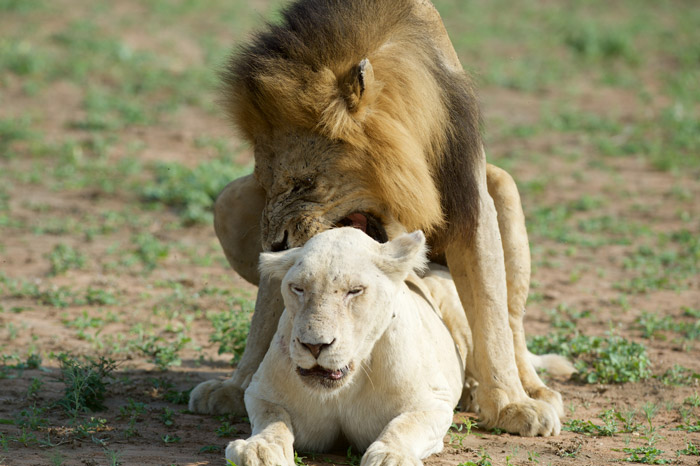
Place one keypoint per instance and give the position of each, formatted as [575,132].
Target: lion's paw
[530,418]
[550,396]
[257,452]
[216,397]
[379,454]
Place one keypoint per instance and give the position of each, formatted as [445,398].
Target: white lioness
[365,351]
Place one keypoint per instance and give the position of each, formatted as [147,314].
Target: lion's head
[356,120]
[339,290]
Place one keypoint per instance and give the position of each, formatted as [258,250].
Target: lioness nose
[316,348]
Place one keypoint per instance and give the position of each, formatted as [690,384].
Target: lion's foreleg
[477,267]
[511,224]
[409,437]
[237,224]
[272,442]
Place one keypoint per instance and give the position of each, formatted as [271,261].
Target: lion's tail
[554,364]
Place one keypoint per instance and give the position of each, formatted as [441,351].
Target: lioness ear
[403,254]
[358,85]
[277,264]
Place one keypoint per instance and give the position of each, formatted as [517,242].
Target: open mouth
[367,223]
[327,377]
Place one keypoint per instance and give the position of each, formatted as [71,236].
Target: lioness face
[338,291]
[308,191]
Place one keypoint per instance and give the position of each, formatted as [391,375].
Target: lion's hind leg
[511,224]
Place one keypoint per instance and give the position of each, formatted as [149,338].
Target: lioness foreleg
[408,438]
[272,442]
[477,267]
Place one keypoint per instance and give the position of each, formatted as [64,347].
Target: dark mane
[288,76]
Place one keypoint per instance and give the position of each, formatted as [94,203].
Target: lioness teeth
[322,372]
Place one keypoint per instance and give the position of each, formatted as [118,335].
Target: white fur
[408,373]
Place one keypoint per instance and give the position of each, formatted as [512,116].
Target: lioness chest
[413,366]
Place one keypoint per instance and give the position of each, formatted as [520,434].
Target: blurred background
[113,148]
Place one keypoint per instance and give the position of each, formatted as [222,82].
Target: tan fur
[391,133]
[362,106]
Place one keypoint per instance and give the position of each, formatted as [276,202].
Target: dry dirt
[172,294]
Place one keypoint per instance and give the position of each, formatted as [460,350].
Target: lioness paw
[216,397]
[379,454]
[257,452]
[530,418]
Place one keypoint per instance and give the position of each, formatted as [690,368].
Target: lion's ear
[358,85]
[400,256]
[277,264]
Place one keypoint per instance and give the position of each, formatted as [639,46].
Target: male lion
[362,352]
[360,114]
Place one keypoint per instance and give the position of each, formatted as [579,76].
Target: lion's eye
[356,291]
[297,290]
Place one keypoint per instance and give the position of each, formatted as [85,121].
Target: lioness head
[339,291]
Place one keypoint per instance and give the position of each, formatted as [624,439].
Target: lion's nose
[316,348]
[281,245]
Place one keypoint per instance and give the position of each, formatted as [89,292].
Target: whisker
[364,369]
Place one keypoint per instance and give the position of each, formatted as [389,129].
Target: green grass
[611,359]
[668,264]
[109,164]
[231,328]
[85,383]
[192,191]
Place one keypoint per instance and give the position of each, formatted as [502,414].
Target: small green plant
[89,427]
[56,458]
[647,454]
[693,400]
[166,416]
[64,258]
[679,375]
[33,418]
[689,425]
[34,387]
[690,449]
[86,382]
[163,353]
[533,457]
[231,328]
[299,460]
[456,433]
[608,428]
[167,438]
[192,191]
[484,460]
[210,449]
[610,359]
[226,429]
[113,457]
[100,297]
[149,250]
[8,371]
[353,458]
[133,410]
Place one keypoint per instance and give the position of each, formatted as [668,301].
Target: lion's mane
[414,120]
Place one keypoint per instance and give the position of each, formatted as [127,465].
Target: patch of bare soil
[144,420]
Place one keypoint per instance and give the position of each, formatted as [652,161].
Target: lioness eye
[356,291]
[297,290]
